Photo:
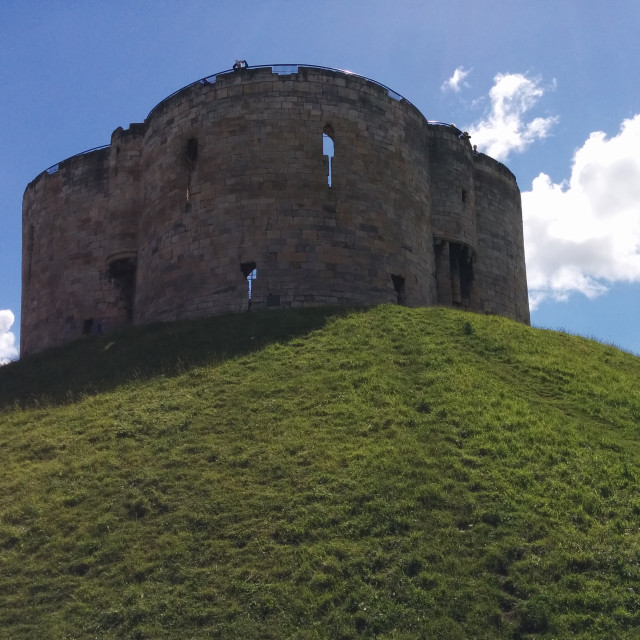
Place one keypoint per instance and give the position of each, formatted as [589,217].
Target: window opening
[192,150]
[191,156]
[443,272]
[328,149]
[250,278]
[398,286]
[466,277]
[250,272]
[454,274]
[87,325]
[123,274]
[273,300]
[454,266]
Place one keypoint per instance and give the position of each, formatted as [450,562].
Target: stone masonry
[227,180]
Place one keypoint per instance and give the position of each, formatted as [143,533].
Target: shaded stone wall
[125,205]
[228,175]
[65,229]
[453,216]
[501,279]
[452,188]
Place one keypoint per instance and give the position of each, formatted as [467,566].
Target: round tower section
[65,289]
[453,215]
[452,189]
[500,269]
[240,182]
[124,208]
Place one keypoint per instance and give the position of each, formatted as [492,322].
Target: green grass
[392,473]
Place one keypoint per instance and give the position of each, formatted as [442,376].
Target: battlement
[266,187]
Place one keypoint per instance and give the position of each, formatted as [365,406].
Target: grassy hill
[392,473]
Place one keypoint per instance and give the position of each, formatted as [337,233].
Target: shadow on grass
[101,363]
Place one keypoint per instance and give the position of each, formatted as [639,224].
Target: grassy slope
[395,473]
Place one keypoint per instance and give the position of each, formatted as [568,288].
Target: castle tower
[229,179]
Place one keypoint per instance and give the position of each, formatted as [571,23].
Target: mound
[391,473]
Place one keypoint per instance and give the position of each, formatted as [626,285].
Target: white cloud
[505,128]
[583,234]
[456,81]
[8,350]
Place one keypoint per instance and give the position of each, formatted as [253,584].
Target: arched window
[250,272]
[327,148]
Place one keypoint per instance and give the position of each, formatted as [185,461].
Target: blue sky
[550,88]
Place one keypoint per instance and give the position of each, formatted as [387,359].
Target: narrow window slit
[454,274]
[466,277]
[454,271]
[192,150]
[398,286]
[87,326]
[250,273]
[122,272]
[328,149]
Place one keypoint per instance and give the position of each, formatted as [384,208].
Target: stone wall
[64,232]
[228,176]
[501,279]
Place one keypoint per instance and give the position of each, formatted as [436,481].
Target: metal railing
[54,167]
[281,69]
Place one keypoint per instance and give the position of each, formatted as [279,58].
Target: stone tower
[228,179]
